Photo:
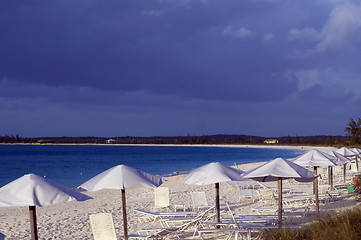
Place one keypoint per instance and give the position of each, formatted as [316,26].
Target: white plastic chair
[161,197]
[199,200]
[102,226]
[246,194]
[266,196]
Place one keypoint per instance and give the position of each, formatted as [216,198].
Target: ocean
[71,165]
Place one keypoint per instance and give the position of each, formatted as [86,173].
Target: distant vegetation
[205,139]
[345,225]
[352,129]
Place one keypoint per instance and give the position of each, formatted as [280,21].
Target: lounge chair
[102,226]
[231,226]
[147,216]
[160,233]
[201,216]
[103,229]
[199,200]
[273,210]
[186,224]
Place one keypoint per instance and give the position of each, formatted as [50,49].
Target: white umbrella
[357,151]
[358,155]
[32,190]
[315,158]
[122,177]
[340,160]
[277,170]
[346,152]
[213,173]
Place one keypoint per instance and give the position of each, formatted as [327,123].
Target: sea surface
[71,165]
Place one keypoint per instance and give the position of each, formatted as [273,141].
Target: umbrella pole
[125,222]
[330,177]
[344,173]
[217,204]
[279,202]
[33,227]
[356,163]
[315,189]
[331,171]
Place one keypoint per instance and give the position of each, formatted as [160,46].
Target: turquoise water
[75,164]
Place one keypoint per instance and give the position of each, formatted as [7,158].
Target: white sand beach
[71,220]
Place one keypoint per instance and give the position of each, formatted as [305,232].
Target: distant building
[271,141]
[110,141]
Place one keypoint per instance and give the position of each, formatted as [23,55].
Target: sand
[71,220]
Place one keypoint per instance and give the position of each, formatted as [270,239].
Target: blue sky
[177,67]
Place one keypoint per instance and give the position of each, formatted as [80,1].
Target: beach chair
[161,197]
[186,223]
[246,194]
[147,216]
[353,167]
[230,227]
[102,226]
[266,196]
[201,216]
[302,210]
[199,200]
[159,233]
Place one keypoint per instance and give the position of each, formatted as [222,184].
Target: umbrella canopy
[277,170]
[122,177]
[315,158]
[340,159]
[357,151]
[32,190]
[213,173]
[344,151]
[348,153]
[271,171]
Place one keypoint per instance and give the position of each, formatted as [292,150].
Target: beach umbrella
[340,160]
[346,152]
[122,177]
[32,190]
[278,170]
[315,159]
[357,151]
[213,173]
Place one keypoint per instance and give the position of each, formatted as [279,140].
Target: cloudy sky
[177,67]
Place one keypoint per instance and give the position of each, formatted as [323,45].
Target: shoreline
[70,220]
[297,147]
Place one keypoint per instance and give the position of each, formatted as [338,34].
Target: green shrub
[345,225]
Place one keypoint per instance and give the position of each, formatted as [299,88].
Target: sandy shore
[71,220]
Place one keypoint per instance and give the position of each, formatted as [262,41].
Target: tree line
[352,129]
[204,139]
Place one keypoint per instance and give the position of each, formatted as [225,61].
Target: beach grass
[344,225]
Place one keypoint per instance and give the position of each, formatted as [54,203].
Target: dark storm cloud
[165,47]
[178,66]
